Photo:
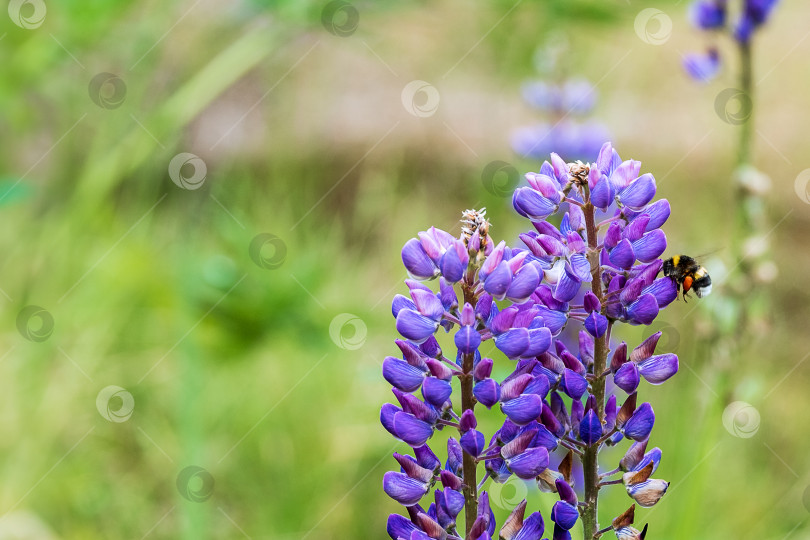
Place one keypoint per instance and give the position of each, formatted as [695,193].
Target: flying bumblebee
[686,272]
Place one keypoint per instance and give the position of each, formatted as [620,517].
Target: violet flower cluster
[546,309]
[570,137]
[712,16]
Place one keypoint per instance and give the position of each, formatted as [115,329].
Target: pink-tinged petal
[417,262]
[622,255]
[410,429]
[605,157]
[428,304]
[403,489]
[401,374]
[658,369]
[619,357]
[529,464]
[551,245]
[523,409]
[650,246]
[493,260]
[627,377]
[631,291]
[560,168]
[638,193]
[613,235]
[637,227]
[625,174]
[644,310]
[514,342]
[646,348]
[415,326]
[547,187]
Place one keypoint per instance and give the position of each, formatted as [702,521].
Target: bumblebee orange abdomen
[687,284]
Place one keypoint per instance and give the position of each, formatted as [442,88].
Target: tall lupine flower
[562,103]
[713,17]
[548,306]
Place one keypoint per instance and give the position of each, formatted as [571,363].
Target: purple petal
[532,529]
[513,342]
[401,374]
[658,369]
[596,324]
[417,262]
[451,265]
[467,339]
[447,295]
[487,392]
[625,174]
[613,235]
[400,527]
[639,192]
[539,342]
[410,429]
[552,319]
[523,284]
[603,193]
[573,384]
[568,286]
[529,464]
[532,204]
[659,213]
[591,303]
[644,310]
[473,442]
[436,391]
[627,377]
[640,424]
[590,429]
[402,302]
[702,67]
[387,417]
[497,282]
[405,490]
[650,246]
[610,415]
[414,326]
[564,514]
[428,304]
[664,290]
[523,409]
[581,268]
[622,255]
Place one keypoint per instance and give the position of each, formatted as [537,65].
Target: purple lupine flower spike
[523,299]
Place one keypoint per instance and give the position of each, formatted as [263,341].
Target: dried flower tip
[626,518]
[579,171]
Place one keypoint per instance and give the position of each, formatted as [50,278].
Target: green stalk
[468,401]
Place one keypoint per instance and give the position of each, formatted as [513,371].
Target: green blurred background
[262,366]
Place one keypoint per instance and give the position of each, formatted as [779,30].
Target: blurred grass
[231,366]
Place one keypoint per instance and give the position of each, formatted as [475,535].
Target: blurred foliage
[232,366]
